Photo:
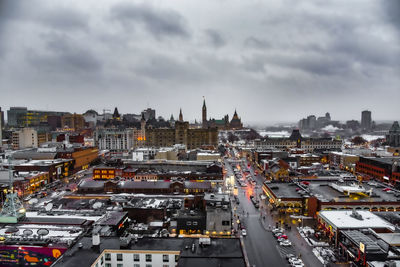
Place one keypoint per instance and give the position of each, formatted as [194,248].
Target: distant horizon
[4,109]
[265,123]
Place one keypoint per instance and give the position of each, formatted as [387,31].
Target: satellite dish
[42,232]
[49,207]
[33,201]
[97,205]
[27,232]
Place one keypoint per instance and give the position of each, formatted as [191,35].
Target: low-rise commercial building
[166,252]
[309,196]
[57,169]
[386,169]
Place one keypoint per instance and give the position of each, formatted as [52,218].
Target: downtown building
[114,140]
[222,124]
[297,141]
[182,134]
[22,117]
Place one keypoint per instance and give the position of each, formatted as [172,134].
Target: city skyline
[300,58]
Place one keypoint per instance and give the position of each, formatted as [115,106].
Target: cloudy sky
[271,60]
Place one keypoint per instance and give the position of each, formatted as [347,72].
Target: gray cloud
[254,42]
[64,18]
[392,10]
[314,55]
[159,22]
[215,38]
[63,56]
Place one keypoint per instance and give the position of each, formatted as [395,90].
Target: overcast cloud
[271,60]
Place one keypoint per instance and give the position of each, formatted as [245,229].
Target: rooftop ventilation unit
[356,215]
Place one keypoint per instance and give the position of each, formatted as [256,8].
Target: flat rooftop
[324,190]
[284,190]
[155,203]
[226,250]
[343,219]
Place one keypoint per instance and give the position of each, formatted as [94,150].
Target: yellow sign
[362,247]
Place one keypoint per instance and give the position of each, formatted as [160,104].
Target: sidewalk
[300,245]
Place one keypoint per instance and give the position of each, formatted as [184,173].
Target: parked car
[276,229]
[244,233]
[289,256]
[294,260]
[285,243]
[278,234]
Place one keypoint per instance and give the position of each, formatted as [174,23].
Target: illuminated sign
[362,247]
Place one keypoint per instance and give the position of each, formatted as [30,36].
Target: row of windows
[136,257]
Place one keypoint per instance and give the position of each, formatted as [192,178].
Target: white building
[136,258]
[24,138]
[114,140]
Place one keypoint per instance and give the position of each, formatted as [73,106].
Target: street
[261,246]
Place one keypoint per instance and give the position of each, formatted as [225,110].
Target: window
[108,256]
[188,223]
[148,265]
[148,257]
[225,223]
[194,223]
[119,257]
[136,265]
[136,257]
[165,258]
[120,265]
[165,265]
[108,264]
[101,260]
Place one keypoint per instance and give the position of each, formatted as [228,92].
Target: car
[296,262]
[278,234]
[300,264]
[275,230]
[289,256]
[293,260]
[283,236]
[280,239]
[285,243]
[244,233]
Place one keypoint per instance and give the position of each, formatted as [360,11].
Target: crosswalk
[285,250]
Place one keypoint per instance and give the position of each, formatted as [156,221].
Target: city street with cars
[266,242]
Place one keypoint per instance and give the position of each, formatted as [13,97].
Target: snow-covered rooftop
[342,219]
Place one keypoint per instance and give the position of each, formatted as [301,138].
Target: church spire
[180,115]
[204,113]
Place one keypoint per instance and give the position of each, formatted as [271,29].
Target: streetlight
[301,219]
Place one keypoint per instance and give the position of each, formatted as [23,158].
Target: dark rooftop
[322,189]
[227,251]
